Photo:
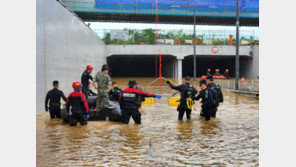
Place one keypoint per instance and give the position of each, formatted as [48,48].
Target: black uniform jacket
[206,96]
[54,97]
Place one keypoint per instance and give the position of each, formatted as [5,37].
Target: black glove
[46,108]
[168,82]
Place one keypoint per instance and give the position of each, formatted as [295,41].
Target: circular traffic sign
[215,49]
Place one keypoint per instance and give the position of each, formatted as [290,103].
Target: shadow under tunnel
[215,62]
[140,65]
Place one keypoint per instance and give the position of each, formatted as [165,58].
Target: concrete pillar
[179,69]
[175,69]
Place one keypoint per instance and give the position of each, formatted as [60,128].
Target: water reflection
[185,130]
[210,127]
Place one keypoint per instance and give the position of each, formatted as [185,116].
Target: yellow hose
[190,102]
[172,82]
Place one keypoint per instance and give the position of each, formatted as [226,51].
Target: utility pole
[194,50]
[237,47]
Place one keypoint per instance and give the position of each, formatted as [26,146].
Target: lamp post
[237,47]
[194,50]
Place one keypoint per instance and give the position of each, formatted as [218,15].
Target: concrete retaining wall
[65,45]
[254,67]
[179,51]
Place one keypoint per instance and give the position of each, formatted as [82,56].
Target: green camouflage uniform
[103,80]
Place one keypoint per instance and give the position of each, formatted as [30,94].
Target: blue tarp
[211,8]
[187,3]
[246,6]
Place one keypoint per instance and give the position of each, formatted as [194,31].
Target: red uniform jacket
[78,102]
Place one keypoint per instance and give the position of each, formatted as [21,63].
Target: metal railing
[175,37]
[250,86]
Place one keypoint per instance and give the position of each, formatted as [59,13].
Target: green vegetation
[148,36]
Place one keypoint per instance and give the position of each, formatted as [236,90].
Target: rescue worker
[104,81]
[217,73]
[207,99]
[54,97]
[217,94]
[186,102]
[85,77]
[77,106]
[130,102]
[115,92]
[89,92]
[226,74]
[208,72]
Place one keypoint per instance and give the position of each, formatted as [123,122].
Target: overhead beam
[164,19]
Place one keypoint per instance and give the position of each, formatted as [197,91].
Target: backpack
[189,92]
[219,93]
[215,96]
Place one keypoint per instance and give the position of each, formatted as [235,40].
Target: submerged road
[231,139]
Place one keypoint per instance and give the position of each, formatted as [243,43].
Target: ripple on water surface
[231,139]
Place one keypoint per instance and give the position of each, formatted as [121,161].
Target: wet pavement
[231,139]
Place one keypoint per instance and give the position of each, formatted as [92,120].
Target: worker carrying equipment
[130,102]
[54,97]
[77,106]
[187,94]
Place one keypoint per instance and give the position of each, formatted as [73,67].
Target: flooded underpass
[231,139]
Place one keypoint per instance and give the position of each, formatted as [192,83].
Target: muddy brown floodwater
[231,139]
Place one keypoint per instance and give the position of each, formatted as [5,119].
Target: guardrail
[248,86]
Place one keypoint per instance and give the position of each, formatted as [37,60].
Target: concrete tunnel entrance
[215,62]
[140,65]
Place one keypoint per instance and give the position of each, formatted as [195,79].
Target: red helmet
[76,85]
[203,77]
[89,67]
